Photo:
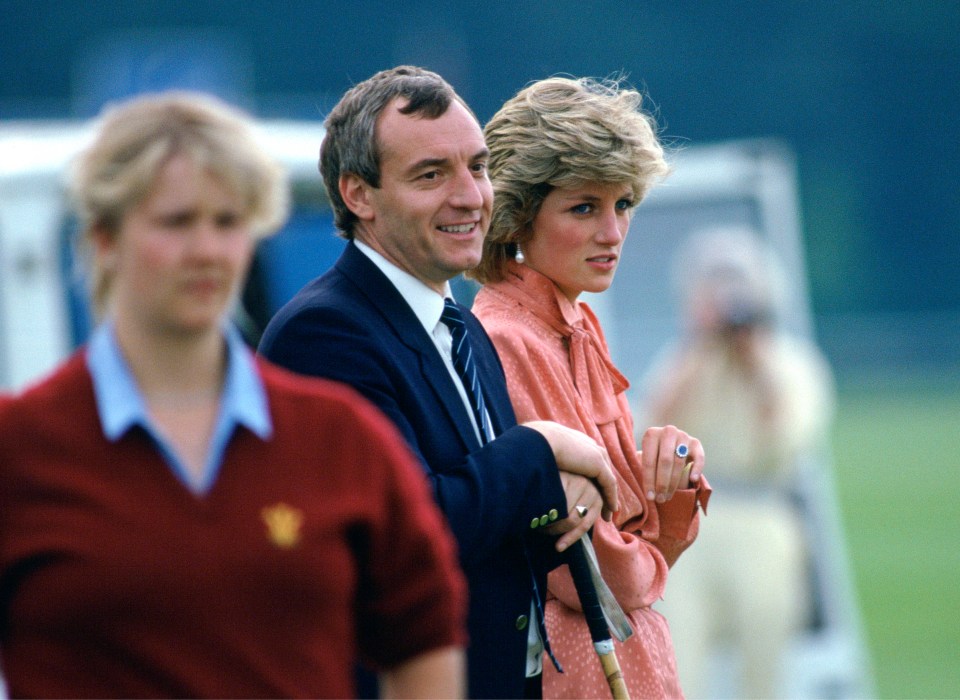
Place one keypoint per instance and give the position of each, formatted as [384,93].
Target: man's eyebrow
[427,163]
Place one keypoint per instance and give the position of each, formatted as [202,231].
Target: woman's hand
[665,467]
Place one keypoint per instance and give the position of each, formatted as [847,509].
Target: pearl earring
[519,255]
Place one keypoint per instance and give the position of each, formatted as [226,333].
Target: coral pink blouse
[558,368]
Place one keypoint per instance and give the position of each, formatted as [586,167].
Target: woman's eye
[228,219]
[623,204]
[582,208]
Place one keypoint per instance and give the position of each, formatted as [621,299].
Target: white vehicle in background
[44,314]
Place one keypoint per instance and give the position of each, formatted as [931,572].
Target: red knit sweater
[311,549]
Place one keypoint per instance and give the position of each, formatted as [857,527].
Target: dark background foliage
[865,93]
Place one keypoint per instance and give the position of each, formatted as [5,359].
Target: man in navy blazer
[404,164]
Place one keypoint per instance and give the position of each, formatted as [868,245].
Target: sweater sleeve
[412,595]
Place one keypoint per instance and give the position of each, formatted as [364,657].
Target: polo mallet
[603,614]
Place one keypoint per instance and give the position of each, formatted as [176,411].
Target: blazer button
[522,622]
[553,514]
[544,519]
[535,523]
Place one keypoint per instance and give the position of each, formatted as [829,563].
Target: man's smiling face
[432,209]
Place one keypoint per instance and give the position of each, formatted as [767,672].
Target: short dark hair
[350,143]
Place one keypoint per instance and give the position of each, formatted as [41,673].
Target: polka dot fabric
[558,368]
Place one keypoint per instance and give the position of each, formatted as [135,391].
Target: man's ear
[356,195]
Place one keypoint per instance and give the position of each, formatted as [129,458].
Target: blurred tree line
[865,92]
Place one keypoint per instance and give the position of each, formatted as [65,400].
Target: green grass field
[897,453]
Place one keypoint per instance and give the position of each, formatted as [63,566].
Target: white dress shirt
[427,306]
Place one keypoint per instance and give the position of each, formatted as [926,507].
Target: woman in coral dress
[569,161]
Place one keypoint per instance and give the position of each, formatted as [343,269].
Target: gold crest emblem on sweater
[283,524]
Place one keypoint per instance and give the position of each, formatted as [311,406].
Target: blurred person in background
[760,399]
[179,518]
[569,161]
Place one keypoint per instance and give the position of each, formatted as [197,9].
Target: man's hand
[578,455]
[582,497]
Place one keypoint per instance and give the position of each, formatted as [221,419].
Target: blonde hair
[561,132]
[136,139]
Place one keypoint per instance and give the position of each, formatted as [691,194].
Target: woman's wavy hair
[561,132]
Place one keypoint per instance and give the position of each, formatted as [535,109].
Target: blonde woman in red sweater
[178,518]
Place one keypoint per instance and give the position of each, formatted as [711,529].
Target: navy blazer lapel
[399,319]
[489,367]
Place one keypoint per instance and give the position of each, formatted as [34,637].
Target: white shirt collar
[427,305]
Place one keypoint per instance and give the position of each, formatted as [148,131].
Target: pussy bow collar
[597,380]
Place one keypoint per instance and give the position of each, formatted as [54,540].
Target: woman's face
[578,234]
[180,255]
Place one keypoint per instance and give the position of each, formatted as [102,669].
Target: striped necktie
[465,365]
